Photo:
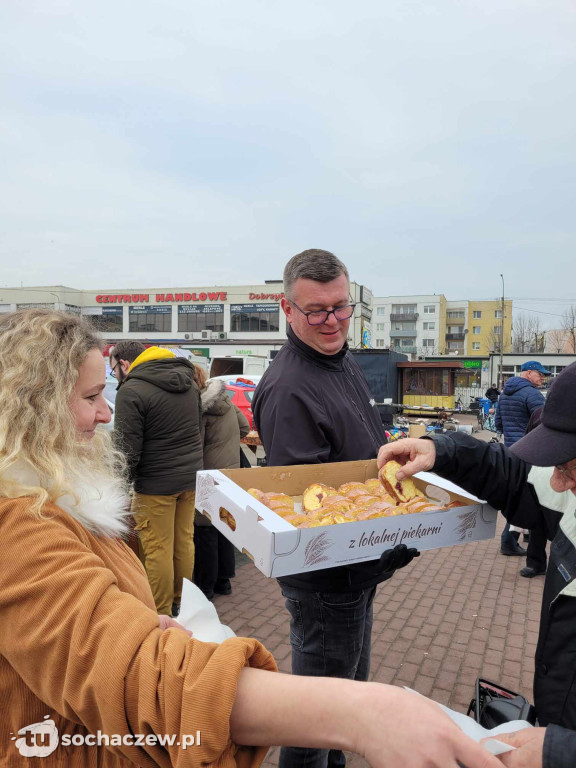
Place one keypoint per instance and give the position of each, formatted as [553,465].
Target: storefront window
[427,381]
[466,379]
[203,317]
[257,318]
[106,320]
[156,319]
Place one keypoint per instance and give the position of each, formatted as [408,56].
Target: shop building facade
[236,319]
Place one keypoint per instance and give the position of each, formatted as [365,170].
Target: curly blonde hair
[41,353]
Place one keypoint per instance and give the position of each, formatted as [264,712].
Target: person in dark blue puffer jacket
[519,399]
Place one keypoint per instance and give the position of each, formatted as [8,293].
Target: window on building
[455,345]
[380,310]
[429,309]
[476,314]
[428,342]
[105,319]
[255,318]
[498,314]
[150,319]
[200,317]
[476,330]
[427,381]
[475,346]
[468,379]
[404,326]
[498,330]
[406,342]
[455,314]
[380,326]
[429,326]
[380,343]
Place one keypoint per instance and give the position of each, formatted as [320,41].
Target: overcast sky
[431,145]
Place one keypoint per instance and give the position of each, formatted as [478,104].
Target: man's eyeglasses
[113,369]
[321,316]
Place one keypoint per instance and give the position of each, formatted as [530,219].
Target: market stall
[428,384]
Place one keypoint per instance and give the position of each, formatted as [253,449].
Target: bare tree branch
[569,326]
[555,341]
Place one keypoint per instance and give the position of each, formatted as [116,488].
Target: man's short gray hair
[313,264]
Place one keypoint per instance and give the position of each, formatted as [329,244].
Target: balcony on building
[456,336]
[403,334]
[455,318]
[406,317]
[405,349]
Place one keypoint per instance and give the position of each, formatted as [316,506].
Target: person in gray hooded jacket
[223,426]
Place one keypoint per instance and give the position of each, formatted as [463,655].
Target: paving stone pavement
[452,615]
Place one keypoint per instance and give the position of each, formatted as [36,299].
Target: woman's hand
[414,455]
[167,622]
[401,728]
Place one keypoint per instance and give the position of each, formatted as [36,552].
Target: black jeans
[536,550]
[330,634]
[213,560]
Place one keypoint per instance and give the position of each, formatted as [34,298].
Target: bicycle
[482,418]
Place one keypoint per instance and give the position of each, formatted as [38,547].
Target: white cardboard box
[279,549]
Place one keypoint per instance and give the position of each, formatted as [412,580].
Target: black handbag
[493,705]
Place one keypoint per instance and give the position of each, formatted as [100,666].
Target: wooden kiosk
[428,384]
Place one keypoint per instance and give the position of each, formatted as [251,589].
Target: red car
[241,395]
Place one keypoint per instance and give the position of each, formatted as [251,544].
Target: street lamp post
[502,338]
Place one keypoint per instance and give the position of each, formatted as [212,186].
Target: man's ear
[287,309]
[125,365]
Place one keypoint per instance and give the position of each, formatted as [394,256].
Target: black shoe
[528,572]
[175,610]
[513,550]
[223,587]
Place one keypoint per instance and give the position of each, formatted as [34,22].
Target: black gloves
[396,558]
[389,561]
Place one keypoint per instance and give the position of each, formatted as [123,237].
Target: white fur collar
[215,389]
[101,505]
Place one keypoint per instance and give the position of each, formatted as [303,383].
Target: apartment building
[425,326]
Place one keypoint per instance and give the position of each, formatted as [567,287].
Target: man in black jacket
[534,482]
[157,426]
[313,405]
[492,393]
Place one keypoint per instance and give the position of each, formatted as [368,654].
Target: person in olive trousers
[157,427]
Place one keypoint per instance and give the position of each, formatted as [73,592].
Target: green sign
[198,351]
[472,363]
